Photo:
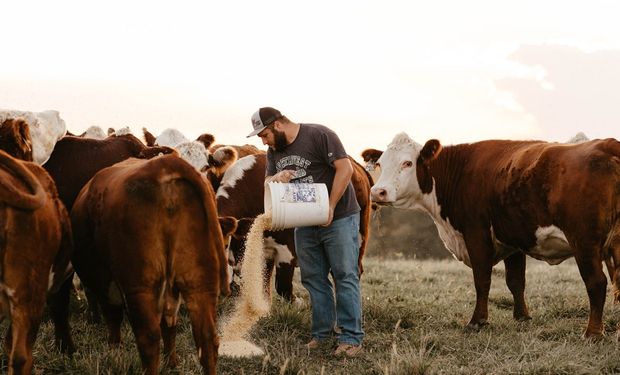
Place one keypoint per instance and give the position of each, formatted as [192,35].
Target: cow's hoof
[593,335]
[523,318]
[172,362]
[66,347]
[476,327]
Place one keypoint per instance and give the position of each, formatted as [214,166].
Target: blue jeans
[336,249]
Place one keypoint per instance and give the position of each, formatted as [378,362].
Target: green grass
[414,313]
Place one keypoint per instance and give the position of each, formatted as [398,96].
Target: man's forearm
[344,171]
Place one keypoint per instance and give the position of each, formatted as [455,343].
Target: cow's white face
[398,185]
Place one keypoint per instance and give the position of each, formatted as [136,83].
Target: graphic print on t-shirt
[301,164]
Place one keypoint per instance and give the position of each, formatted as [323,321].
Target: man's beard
[279,140]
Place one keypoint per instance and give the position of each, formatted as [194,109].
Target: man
[311,153]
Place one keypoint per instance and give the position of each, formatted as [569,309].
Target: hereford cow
[212,160]
[146,266]
[94,132]
[241,195]
[35,243]
[499,200]
[45,128]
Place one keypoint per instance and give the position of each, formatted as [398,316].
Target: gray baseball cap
[263,118]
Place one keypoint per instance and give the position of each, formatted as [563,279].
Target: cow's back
[522,185]
[75,160]
[157,215]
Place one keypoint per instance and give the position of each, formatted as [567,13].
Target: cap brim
[256,131]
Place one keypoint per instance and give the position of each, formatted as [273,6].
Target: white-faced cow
[46,128]
[146,235]
[499,200]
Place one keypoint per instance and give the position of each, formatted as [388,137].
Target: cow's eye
[407,164]
[377,165]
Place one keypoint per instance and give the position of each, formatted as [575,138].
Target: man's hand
[283,176]
[330,217]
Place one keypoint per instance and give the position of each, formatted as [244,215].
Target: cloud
[576,92]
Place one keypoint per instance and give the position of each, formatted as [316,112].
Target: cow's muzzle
[379,196]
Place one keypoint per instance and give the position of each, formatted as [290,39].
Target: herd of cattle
[148,225]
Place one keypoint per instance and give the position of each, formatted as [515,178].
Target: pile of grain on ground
[239,348]
[252,302]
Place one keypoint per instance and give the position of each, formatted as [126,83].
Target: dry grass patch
[414,313]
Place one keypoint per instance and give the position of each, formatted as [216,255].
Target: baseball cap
[263,118]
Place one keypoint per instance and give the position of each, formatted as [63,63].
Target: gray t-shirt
[311,156]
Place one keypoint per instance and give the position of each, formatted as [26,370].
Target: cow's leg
[268,274]
[284,280]
[24,328]
[113,315]
[169,335]
[59,311]
[201,307]
[591,270]
[364,234]
[481,254]
[515,280]
[613,264]
[94,315]
[145,317]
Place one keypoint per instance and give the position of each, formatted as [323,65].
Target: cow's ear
[243,227]
[371,154]
[206,139]
[212,161]
[151,152]
[23,132]
[430,151]
[148,137]
[228,225]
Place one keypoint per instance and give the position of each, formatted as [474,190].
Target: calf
[146,235]
[499,200]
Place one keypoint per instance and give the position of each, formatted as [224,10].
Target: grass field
[414,313]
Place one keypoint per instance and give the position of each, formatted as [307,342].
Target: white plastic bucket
[296,205]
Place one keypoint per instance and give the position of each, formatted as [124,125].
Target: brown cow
[241,195]
[146,234]
[74,161]
[35,243]
[499,200]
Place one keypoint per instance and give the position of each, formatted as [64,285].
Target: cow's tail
[171,301]
[612,260]
[191,175]
[12,195]
[63,268]
[364,217]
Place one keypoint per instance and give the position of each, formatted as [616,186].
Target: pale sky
[459,71]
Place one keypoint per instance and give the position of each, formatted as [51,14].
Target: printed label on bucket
[299,193]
